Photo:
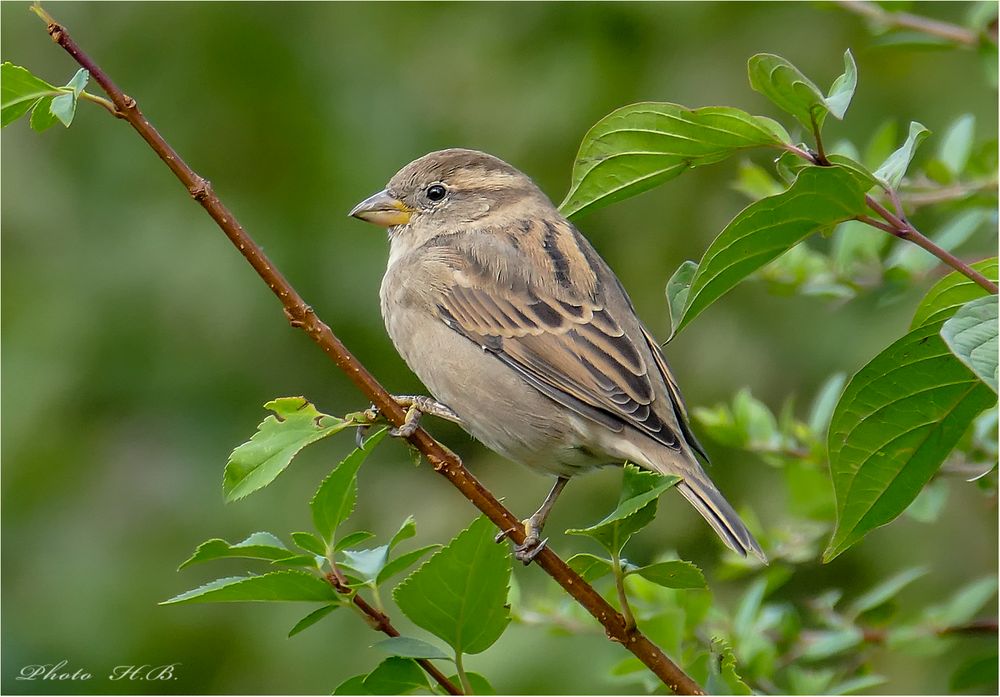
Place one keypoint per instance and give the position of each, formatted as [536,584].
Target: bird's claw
[531,548]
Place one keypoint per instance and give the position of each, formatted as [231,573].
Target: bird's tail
[709,501]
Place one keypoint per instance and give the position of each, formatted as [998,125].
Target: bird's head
[449,189]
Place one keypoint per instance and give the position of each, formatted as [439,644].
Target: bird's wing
[568,346]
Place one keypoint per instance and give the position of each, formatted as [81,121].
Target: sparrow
[525,336]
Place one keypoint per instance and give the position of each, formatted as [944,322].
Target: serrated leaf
[819,198]
[295,424]
[963,605]
[288,585]
[842,89]
[460,593]
[409,647]
[672,574]
[971,334]
[891,172]
[589,566]
[352,539]
[407,530]
[402,563]
[42,118]
[309,542]
[897,420]
[19,92]
[722,677]
[636,508]
[311,619]
[951,292]
[884,591]
[677,290]
[334,501]
[640,146]
[395,676]
[790,90]
[260,545]
[366,563]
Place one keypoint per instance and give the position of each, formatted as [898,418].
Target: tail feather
[714,508]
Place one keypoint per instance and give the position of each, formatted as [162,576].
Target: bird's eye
[435,192]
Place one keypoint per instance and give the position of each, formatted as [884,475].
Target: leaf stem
[619,572]
[462,677]
[301,316]
[102,101]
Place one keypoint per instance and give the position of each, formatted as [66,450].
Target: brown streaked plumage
[510,317]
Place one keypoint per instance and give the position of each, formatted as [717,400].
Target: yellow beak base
[382,209]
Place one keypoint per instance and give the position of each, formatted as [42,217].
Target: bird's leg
[416,406]
[533,544]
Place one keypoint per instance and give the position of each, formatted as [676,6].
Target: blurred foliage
[132,366]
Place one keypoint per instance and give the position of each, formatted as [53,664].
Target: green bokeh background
[138,347]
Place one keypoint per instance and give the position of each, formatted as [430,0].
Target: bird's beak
[382,209]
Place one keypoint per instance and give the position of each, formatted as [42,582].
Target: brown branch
[924,25]
[902,228]
[303,317]
[380,621]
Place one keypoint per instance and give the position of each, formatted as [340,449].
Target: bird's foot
[416,406]
[532,545]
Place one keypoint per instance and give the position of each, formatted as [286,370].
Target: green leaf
[64,106]
[478,682]
[824,644]
[927,507]
[672,574]
[260,545]
[824,403]
[790,90]
[956,145]
[286,585]
[42,117]
[366,563]
[951,292]
[395,676]
[294,425]
[640,146]
[891,172]
[819,198]
[311,619]
[335,498]
[20,91]
[971,334]
[460,593]
[897,420]
[407,530]
[402,563]
[636,508]
[852,685]
[352,686]
[589,566]
[677,290]
[353,539]
[755,182]
[408,647]
[722,677]
[884,591]
[978,673]
[842,90]
[964,605]
[309,542]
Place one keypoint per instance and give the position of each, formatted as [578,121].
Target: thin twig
[380,621]
[302,316]
[928,195]
[904,229]
[924,25]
